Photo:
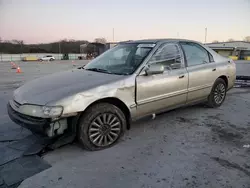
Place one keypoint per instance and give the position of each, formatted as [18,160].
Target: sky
[40,21]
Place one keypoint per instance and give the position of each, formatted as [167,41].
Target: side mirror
[154,69]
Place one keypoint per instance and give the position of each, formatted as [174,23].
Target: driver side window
[123,52]
[119,57]
[169,56]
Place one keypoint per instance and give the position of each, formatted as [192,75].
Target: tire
[93,134]
[51,59]
[218,94]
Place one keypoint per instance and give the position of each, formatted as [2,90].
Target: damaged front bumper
[41,126]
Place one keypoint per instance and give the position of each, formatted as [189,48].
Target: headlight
[52,111]
[41,111]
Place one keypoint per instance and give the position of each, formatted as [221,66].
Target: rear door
[162,91]
[201,70]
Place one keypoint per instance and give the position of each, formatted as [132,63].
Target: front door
[167,90]
[201,70]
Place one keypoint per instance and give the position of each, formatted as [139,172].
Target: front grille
[16,104]
[34,124]
[31,118]
[27,117]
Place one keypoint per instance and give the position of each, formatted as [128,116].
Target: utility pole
[113,35]
[59,45]
[1,49]
[205,35]
[21,51]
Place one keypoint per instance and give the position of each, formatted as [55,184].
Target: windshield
[123,59]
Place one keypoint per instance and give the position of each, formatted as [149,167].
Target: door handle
[181,76]
[214,69]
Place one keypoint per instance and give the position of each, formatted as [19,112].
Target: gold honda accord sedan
[97,102]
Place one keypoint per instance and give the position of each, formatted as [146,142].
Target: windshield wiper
[81,67]
[105,71]
[98,70]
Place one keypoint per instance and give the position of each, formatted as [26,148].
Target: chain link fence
[19,57]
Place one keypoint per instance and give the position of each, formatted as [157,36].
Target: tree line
[62,46]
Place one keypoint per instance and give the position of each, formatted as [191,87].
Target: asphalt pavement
[188,147]
[17,145]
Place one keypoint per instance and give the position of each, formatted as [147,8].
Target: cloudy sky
[37,21]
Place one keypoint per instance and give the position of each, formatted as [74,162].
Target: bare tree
[247,39]
[215,41]
[63,46]
[230,40]
[20,42]
[1,49]
[101,40]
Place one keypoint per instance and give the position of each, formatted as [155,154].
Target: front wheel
[101,126]
[218,94]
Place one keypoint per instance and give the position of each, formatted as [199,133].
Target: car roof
[158,40]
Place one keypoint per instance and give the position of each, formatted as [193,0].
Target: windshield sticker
[146,45]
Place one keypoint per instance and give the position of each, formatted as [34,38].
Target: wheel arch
[223,77]
[116,102]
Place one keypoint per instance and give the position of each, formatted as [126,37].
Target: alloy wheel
[219,93]
[104,129]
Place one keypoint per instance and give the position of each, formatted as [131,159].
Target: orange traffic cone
[18,70]
[13,65]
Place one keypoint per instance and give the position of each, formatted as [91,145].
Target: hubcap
[219,93]
[104,129]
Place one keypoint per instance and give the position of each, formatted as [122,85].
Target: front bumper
[34,124]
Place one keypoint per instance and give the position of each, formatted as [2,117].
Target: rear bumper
[34,124]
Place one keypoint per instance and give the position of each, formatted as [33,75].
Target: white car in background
[47,58]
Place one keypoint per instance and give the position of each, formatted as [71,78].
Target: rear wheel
[218,94]
[101,126]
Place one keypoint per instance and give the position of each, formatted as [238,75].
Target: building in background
[106,46]
[94,49]
[111,45]
[236,49]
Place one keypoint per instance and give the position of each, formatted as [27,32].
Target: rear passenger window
[168,55]
[195,54]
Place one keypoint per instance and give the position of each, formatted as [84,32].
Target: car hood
[60,85]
